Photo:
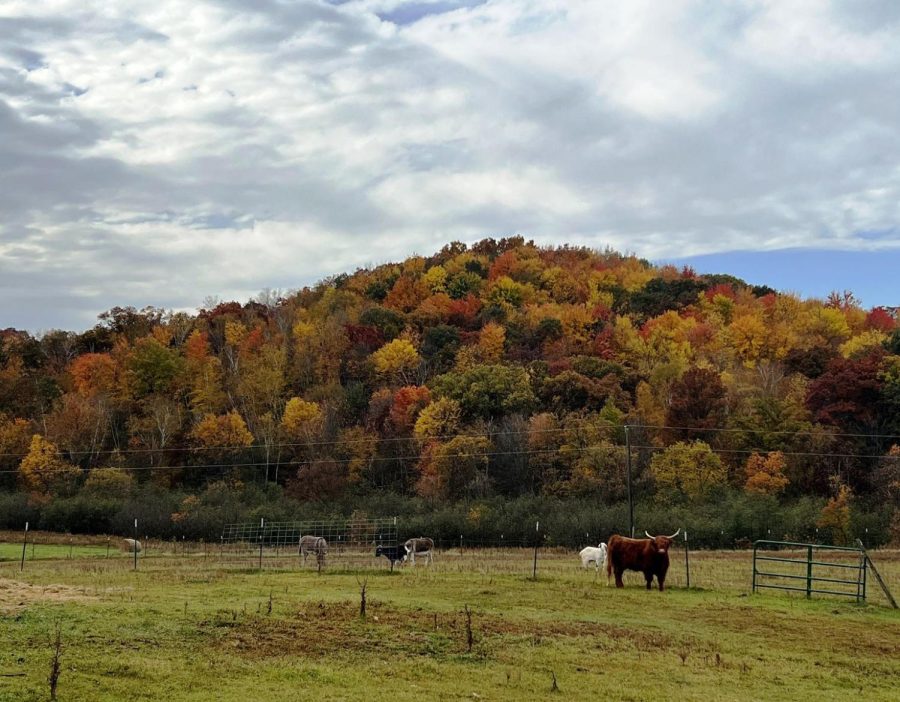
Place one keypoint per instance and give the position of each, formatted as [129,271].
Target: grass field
[194,627]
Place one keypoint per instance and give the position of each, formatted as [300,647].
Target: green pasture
[183,629]
[13,552]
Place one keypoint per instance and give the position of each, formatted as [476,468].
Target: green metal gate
[783,573]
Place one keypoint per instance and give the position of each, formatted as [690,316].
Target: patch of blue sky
[412,12]
[873,276]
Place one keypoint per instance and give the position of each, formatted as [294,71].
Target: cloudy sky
[162,152]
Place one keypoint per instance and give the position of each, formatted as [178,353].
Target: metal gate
[841,569]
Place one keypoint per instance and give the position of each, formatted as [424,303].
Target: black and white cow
[394,554]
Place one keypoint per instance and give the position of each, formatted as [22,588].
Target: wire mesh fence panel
[280,544]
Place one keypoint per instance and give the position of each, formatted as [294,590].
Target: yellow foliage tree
[689,469]
[765,474]
[748,337]
[861,343]
[435,279]
[43,473]
[397,359]
[440,418]
[301,419]
[490,342]
[225,431]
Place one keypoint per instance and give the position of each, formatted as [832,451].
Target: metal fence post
[135,543]
[809,558]
[755,546]
[24,544]
[687,563]
[262,522]
[537,537]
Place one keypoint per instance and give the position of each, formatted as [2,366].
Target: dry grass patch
[16,595]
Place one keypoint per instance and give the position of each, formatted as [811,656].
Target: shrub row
[731,521]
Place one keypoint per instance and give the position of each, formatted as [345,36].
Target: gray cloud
[159,156]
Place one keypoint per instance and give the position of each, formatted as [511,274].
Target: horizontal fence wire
[345,532]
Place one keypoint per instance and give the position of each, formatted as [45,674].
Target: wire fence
[352,550]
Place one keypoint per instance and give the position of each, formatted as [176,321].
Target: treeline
[731,522]
[500,371]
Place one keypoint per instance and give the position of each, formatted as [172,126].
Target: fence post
[881,582]
[135,543]
[24,544]
[809,558]
[262,522]
[628,483]
[753,586]
[537,537]
[687,563]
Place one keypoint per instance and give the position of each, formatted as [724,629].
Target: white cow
[597,556]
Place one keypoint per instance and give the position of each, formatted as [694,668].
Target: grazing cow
[649,556]
[597,556]
[394,554]
[131,545]
[421,546]
[315,545]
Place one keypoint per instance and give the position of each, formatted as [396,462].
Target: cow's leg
[648,576]
[619,582]
[661,579]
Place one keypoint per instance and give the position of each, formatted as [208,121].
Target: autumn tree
[79,425]
[15,438]
[154,430]
[43,473]
[487,391]
[698,403]
[324,479]
[152,368]
[455,468]
[408,402]
[688,470]
[848,394]
[765,474]
[302,424]
[221,436]
[835,516]
[441,418]
[397,360]
[94,374]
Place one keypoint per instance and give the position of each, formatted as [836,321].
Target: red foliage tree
[698,404]
[849,393]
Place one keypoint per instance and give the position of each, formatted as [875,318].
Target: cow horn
[676,533]
[648,534]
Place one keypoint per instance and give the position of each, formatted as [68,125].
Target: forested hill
[499,369]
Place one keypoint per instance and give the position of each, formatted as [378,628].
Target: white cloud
[158,152]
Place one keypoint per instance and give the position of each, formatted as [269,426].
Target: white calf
[597,556]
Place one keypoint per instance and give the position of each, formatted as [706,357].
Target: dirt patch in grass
[16,596]
[320,629]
